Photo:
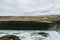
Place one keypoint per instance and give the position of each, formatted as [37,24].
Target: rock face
[23,25]
[54,26]
[30,23]
[9,37]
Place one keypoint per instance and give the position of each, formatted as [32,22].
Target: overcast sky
[29,7]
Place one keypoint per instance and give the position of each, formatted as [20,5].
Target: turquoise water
[31,34]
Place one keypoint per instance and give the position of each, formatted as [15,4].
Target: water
[31,34]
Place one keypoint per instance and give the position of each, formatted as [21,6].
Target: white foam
[29,35]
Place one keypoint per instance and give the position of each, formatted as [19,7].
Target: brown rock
[9,37]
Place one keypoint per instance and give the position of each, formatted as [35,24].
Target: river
[31,34]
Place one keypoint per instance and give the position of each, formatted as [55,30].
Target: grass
[45,19]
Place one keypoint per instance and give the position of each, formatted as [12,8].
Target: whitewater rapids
[31,34]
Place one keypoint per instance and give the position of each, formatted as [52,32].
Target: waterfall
[32,34]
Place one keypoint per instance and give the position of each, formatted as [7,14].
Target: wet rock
[44,34]
[10,37]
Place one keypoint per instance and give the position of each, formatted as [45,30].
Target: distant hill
[46,19]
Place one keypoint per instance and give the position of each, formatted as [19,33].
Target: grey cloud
[31,8]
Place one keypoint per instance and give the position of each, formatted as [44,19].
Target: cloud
[29,7]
